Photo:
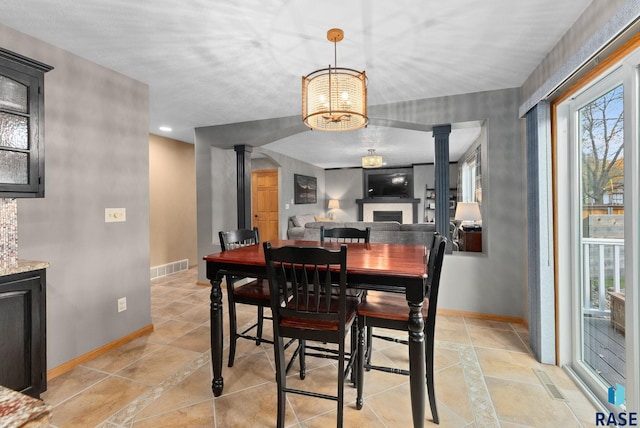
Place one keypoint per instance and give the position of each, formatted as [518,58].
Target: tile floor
[485,377]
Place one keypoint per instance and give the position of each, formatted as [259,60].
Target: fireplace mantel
[362,202]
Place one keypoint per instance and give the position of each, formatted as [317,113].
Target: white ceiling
[225,61]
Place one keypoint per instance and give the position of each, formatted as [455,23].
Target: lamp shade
[334,204]
[334,98]
[372,160]
[468,211]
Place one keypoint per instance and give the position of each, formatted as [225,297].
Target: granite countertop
[22,266]
[19,410]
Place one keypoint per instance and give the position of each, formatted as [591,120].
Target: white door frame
[568,231]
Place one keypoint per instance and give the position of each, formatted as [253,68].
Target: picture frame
[305,189]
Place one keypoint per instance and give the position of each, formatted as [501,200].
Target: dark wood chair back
[305,274]
[436,258]
[345,234]
[254,292]
[305,306]
[238,238]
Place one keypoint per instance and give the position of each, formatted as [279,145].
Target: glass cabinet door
[21,126]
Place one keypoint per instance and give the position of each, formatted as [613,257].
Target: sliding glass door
[598,205]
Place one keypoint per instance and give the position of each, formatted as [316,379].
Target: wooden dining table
[389,267]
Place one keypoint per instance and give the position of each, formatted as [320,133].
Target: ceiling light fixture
[335,99]
[372,160]
[165,128]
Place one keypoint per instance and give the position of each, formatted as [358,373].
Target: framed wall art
[305,189]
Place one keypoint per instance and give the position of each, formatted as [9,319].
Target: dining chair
[305,307]
[389,310]
[254,292]
[345,234]
[369,330]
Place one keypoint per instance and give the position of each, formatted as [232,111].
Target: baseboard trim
[70,365]
[478,315]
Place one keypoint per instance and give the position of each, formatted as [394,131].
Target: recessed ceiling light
[165,128]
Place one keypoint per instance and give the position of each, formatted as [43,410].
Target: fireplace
[387,216]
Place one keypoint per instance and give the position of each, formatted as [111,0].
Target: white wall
[96,156]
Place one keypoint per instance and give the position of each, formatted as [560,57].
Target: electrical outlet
[122,304]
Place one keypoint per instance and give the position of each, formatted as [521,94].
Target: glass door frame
[568,230]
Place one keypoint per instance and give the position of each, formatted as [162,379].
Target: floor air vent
[169,268]
[548,384]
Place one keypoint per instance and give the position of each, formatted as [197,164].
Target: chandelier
[372,160]
[335,99]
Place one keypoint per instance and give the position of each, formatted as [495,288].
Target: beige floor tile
[478,322]
[70,384]
[582,408]
[504,424]
[508,365]
[497,339]
[96,403]
[450,318]
[352,418]
[167,331]
[451,390]
[157,366]
[252,407]
[322,380]
[124,355]
[198,340]
[198,297]
[247,371]
[159,290]
[520,328]
[173,310]
[393,407]
[527,404]
[179,347]
[454,332]
[193,390]
[196,416]
[444,358]
[199,314]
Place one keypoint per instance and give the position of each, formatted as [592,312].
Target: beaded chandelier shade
[335,99]
[372,160]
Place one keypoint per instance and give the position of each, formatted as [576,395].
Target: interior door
[264,203]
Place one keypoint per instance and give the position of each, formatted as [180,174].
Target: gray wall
[492,282]
[216,188]
[96,156]
[346,186]
[591,31]
[287,168]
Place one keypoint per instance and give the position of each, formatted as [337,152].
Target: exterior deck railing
[603,262]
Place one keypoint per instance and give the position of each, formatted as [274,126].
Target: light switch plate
[112,215]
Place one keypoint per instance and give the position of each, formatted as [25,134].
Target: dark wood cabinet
[21,126]
[23,343]
[471,240]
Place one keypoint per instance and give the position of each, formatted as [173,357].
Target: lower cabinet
[23,345]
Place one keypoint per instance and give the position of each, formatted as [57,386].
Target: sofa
[385,232]
[295,229]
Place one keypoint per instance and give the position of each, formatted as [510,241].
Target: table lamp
[469,214]
[334,204]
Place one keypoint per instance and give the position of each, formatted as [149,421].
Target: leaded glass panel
[14,131]
[13,95]
[14,167]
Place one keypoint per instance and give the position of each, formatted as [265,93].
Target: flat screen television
[396,183]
